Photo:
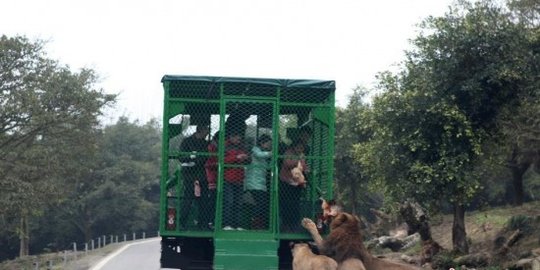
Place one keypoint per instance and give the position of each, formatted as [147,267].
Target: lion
[304,259]
[351,264]
[345,241]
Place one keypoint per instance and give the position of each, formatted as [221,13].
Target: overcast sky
[132,44]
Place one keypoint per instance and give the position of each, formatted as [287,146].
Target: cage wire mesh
[244,155]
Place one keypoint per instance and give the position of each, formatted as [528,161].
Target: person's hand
[241,156]
[188,164]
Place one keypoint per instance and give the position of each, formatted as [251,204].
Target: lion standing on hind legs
[345,243]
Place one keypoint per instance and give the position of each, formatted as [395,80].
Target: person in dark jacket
[233,176]
[193,158]
[211,167]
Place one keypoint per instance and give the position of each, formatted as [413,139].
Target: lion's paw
[308,224]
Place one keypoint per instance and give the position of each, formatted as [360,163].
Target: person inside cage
[211,168]
[305,136]
[292,177]
[233,175]
[192,161]
[256,181]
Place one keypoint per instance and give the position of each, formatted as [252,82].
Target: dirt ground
[482,226]
[486,228]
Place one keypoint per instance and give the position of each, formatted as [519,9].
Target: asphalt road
[142,255]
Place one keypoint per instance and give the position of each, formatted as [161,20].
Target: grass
[483,227]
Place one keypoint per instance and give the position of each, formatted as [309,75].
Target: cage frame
[220,91]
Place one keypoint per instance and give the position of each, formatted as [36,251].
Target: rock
[535,265]
[394,243]
[408,259]
[526,264]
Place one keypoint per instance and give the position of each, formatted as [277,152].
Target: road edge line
[109,257]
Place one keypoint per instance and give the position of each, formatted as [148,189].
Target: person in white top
[256,181]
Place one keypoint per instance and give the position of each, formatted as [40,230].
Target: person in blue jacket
[256,181]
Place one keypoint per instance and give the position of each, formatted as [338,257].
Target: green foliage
[120,193]
[352,184]
[70,179]
[432,121]
[444,260]
[47,115]
[519,222]
[532,182]
[116,193]
[526,11]
[419,148]
[432,118]
[492,219]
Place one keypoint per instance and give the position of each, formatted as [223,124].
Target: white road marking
[120,250]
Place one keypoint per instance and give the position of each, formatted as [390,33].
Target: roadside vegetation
[456,129]
[79,261]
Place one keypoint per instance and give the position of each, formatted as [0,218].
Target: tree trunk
[459,235]
[87,232]
[518,166]
[517,183]
[24,236]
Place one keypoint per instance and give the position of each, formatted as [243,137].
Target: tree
[421,150]
[120,191]
[115,192]
[137,171]
[526,11]
[46,111]
[351,181]
[521,125]
[433,117]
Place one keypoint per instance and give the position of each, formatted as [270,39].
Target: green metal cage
[243,161]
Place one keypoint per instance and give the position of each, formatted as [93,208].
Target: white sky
[132,44]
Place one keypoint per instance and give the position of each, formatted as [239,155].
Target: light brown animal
[344,242]
[351,264]
[304,259]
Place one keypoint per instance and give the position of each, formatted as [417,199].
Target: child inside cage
[233,176]
[256,182]
[292,182]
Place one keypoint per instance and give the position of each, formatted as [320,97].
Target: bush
[520,222]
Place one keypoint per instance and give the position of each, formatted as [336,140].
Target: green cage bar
[243,161]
